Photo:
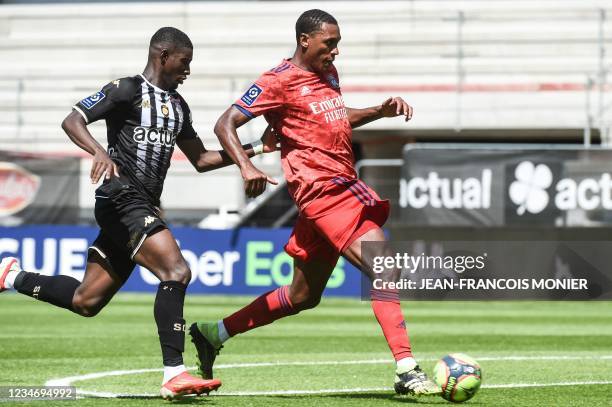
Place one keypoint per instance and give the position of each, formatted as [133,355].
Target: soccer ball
[459,376]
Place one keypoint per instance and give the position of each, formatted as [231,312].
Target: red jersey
[307,110]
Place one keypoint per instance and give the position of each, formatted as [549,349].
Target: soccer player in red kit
[301,100]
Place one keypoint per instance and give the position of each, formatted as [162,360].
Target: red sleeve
[265,95]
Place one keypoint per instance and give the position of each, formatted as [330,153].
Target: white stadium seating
[525,65]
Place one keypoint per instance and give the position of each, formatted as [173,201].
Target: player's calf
[209,336]
[57,290]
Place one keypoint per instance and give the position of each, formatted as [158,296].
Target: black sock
[168,312]
[56,290]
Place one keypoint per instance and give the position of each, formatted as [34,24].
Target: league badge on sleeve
[251,95]
[93,100]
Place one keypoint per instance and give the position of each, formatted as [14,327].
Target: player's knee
[310,303]
[86,307]
[180,272]
[304,301]
[185,275]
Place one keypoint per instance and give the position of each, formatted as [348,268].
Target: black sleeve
[187,130]
[99,105]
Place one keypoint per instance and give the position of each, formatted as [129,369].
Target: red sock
[264,310]
[386,306]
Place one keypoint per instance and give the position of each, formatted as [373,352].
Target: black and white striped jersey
[143,123]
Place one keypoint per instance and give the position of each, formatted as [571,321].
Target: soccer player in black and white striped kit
[145,118]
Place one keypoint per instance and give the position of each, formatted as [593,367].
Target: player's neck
[298,60]
[155,78]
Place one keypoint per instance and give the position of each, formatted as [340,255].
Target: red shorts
[330,223]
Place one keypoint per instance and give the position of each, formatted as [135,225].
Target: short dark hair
[171,36]
[311,21]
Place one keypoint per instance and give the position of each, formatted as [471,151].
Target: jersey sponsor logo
[305,91]
[93,100]
[148,220]
[251,95]
[18,188]
[147,135]
[116,82]
[332,109]
[326,105]
[146,104]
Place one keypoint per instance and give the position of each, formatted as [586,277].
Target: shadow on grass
[362,398]
[184,400]
[359,398]
[298,399]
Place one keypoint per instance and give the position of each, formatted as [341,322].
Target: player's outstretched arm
[392,107]
[204,160]
[226,127]
[76,128]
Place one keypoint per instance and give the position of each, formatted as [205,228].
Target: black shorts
[125,218]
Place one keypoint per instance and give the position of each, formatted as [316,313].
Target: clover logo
[529,189]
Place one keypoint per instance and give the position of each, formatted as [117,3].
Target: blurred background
[509,138]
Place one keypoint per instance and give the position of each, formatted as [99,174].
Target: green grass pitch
[546,344]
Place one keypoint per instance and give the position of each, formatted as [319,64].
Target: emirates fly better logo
[529,189]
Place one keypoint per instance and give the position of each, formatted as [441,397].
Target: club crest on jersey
[251,95]
[165,111]
[333,81]
[93,100]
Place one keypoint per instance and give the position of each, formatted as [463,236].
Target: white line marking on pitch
[68,381]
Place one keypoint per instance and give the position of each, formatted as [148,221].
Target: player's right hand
[255,181]
[101,165]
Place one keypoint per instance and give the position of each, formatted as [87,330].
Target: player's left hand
[255,181]
[396,106]
[270,140]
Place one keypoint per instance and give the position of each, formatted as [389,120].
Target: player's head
[317,34]
[171,51]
